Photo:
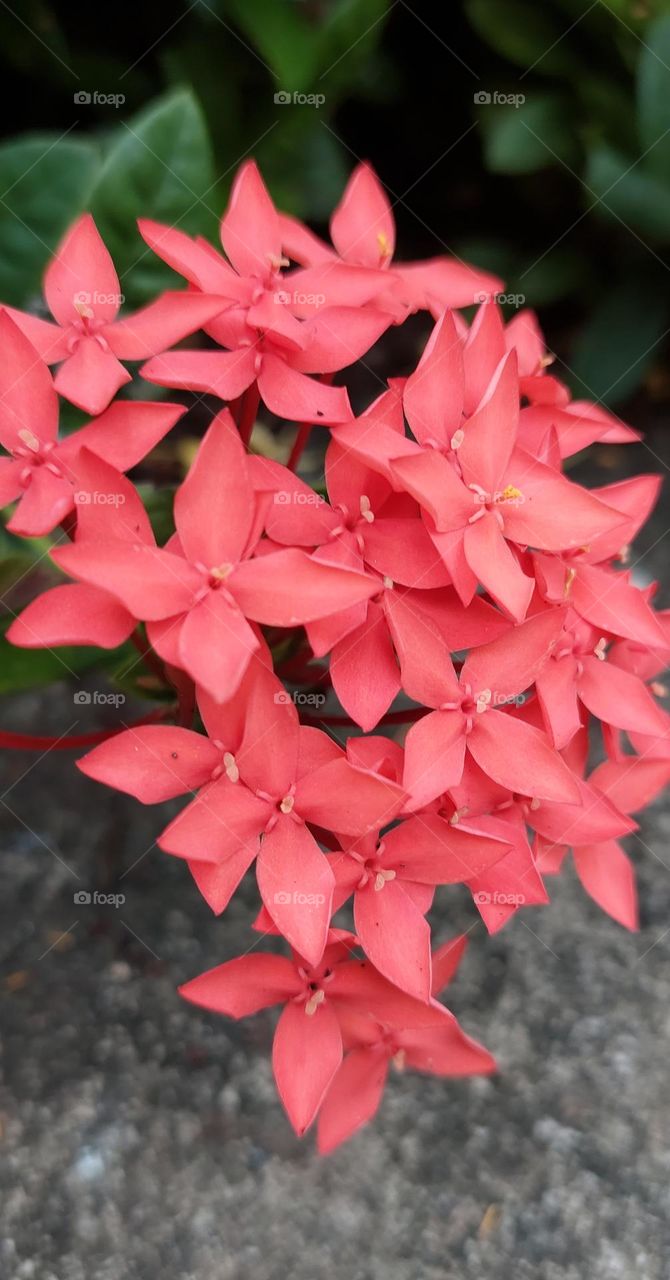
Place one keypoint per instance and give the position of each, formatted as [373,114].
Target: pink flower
[267,343]
[88,342]
[363,233]
[42,471]
[198,594]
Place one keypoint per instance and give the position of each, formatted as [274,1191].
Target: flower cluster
[446,565]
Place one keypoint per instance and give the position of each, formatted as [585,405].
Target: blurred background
[144,1139]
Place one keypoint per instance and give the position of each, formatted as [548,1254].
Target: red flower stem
[298,445]
[248,412]
[151,659]
[24,742]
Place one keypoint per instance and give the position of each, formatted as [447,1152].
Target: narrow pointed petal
[433,395]
[288,588]
[244,985]
[153,762]
[483,350]
[250,226]
[338,336]
[125,433]
[446,961]
[203,267]
[28,402]
[151,583]
[218,881]
[72,614]
[433,482]
[225,374]
[352,1099]
[431,851]
[90,377]
[427,671]
[81,274]
[44,504]
[490,434]
[10,480]
[362,226]
[340,797]
[296,885]
[619,698]
[497,568]
[159,325]
[557,694]
[509,665]
[447,1052]
[216,645]
[213,507]
[293,395]
[364,670]
[555,515]
[306,1053]
[434,753]
[519,757]
[49,340]
[395,937]
[607,874]
[223,819]
[608,601]
[631,784]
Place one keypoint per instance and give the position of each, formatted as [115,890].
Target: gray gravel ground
[143,1139]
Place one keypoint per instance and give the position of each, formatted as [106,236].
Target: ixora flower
[268,341]
[363,234]
[198,593]
[319,1001]
[442,582]
[87,341]
[41,470]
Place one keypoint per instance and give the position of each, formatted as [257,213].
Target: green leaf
[43,181]
[528,137]
[629,193]
[620,341]
[160,166]
[26,668]
[653,96]
[281,35]
[524,33]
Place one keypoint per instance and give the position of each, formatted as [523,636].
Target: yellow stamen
[510,493]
